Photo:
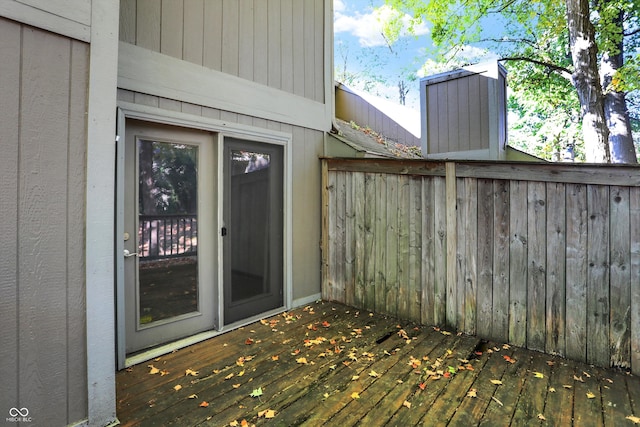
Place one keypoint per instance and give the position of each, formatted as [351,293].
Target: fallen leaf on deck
[496,382]
[509,359]
[190,372]
[236,386]
[193,396]
[550,362]
[153,370]
[586,374]
[326,324]
[374,374]
[302,360]
[567,386]
[635,420]
[274,358]
[177,387]
[267,413]
[541,417]
[355,395]
[406,404]
[355,377]
[257,392]
[249,341]
[422,386]
[163,373]
[538,374]
[228,377]
[234,423]
[590,395]
[472,393]
[578,379]
[552,390]
[204,404]
[326,395]
[241,373]
[497,401]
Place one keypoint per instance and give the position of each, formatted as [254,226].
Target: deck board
[395,370]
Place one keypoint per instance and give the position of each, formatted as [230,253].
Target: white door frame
[222,129]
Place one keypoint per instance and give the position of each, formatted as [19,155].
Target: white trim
[40,18]
[306,300]
[145,71]
[99,269]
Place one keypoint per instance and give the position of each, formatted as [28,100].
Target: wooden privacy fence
[544,256]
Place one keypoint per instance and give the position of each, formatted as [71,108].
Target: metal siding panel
[308,23]
[230,36]
[128,14]
[286,47]
[261,43]
[43,202]
[274,72]
[212,43]
[246,51]
[9,135]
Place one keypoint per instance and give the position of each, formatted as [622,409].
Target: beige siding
[42,191]
[279,43]
[307,146]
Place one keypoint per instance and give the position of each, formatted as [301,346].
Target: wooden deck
[329,364]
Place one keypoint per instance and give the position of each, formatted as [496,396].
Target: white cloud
[338,5]
[368,27]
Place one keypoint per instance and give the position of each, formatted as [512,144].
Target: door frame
[221,129]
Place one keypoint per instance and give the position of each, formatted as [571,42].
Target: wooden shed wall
[278,43]
[541,256]
[43,103]
[307,148]
[351,107]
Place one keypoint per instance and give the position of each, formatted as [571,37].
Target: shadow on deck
[327,364]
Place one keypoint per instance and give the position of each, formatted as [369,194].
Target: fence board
[620,276]
[470,256]
[556,256]
[536,256]
[576,272]
[359,235]
[485,258]
[369,243]
[349,241]
[403,251]
[634,215]
[415,248]
[440,250]
[452,231]
[460,256]
[518,263]
[381,243]
[598,275]
[500,317]
[429,281]
[391,205]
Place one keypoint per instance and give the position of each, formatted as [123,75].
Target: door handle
[128,254]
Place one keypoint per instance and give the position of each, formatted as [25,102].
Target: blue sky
[360,45]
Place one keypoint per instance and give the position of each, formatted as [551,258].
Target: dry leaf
[552,390]
[267,413]
[509,359]
[228,377]
[177,387]
[472,393]
[241,373]
[578,379]
[406,404]
[236,386]
[590,395]
[191,372]
[635,420]
[274,358]
[249,341]
[355,377]
[541,417]
[538,374]
[193,396]
[204,404]
[163,373]
[302,360]
[153,370]
[497,401]
[374,374]
[355,395]
[496,382]
[234,423]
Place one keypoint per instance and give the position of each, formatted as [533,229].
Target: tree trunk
[615,107]
[586,80]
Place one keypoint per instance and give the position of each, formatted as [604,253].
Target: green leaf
[257,392]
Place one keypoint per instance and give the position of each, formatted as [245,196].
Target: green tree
[575,57]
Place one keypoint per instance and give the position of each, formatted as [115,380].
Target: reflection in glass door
[167,231]
[253,229]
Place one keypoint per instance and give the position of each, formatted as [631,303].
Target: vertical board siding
[551,266]
[43,196]
[279,43]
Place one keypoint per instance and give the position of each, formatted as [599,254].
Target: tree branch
[564,72]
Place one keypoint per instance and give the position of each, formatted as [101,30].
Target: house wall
[276,43]
[307,147]
[43,103]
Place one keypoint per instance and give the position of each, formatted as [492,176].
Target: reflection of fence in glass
[166,236]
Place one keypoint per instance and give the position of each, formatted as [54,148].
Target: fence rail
[166,236]
[541,256]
